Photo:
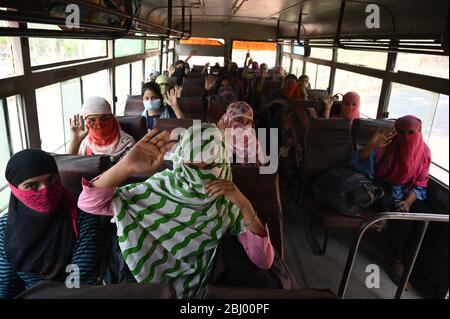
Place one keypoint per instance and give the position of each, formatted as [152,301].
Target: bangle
[251,221]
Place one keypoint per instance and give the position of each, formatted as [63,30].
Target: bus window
[45,51]
[374,60]
[297,67]
[432,109]
[7,65]
[432,65]
[96,84]
[136,78]
[368,88]
[124,47]
[320,53]
[122,87]
[287,64]
[202,60]
[261,52]
[151,65]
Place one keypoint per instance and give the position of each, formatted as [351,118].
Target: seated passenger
[43,231]
[153,76]
[102,134]
[400,158]
[245,146]
[277,74]
[155,106]
[169,227]
[164,84]
[289,91]
[351,103]
[222,89]
[181,69]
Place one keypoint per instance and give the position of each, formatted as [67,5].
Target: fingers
[149,135]
[162,137]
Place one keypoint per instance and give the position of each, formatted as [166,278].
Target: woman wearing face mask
[102,134]
[401,160]
[170,234]
[156,106]
[244,145]
[43,231]
[222,89]
[351,103]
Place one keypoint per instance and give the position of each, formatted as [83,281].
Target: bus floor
[325,272]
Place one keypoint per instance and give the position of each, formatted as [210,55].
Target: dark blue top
[166,113]
[87,254]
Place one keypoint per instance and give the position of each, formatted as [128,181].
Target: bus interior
[56,54]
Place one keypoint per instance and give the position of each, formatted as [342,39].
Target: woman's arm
[405,205]
[380,139]
[10,282]
[78,133]
[172,100]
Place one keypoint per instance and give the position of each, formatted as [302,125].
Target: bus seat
[264,193]
[170,124]
[56,290]
[192,107]
[134,105]
[136,126]
[220,292]
[363,129]
[317,94]
[193,87]
[72,168]
[216,109]
[197,68]
[328,144]
[336,109]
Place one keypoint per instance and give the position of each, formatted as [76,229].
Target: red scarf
[104,133]
[351,104]
[406,161]
[47,200]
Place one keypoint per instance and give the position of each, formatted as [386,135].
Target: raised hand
[147,155]
[77,128]
[229,190]
[382,138]
[171,97]
[209,82]
[178,90]
[327,102]
[171,70]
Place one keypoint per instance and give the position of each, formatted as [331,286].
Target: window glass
[96,84]
[16,125]
[311,71]
[375,60]
[124,47]
[299,49]
[48,51]
[261,52]
[432,65]
[50,117]
[287,64]
[136,78]
[432,109]
[287,48]
[165,67]
[122,87]
[8,52]
[5,154]
[367,87]
[320,53]
[202,60]
[151,65]
[152,45]
[71,101]
[297,67]
[323,77]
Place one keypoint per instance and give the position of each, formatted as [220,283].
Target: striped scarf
[168,228]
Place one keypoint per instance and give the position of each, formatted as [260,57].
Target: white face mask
[154,105]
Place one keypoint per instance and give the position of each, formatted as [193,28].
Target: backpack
[346,191]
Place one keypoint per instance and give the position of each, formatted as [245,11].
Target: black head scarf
[36,242]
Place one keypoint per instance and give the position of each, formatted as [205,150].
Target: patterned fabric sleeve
[10,282]
[88,251]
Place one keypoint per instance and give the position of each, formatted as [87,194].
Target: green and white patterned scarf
[168,228]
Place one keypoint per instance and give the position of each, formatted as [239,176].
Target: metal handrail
[425,218]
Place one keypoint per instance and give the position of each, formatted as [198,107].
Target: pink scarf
[351,104]
[406,161]
[245,143]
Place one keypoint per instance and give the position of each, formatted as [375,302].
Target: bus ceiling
[387,25]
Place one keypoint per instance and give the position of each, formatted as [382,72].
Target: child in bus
[169,227]
[102,134]
[400,159]
[156,106]
[351,103]
[245,146]
[43,231]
